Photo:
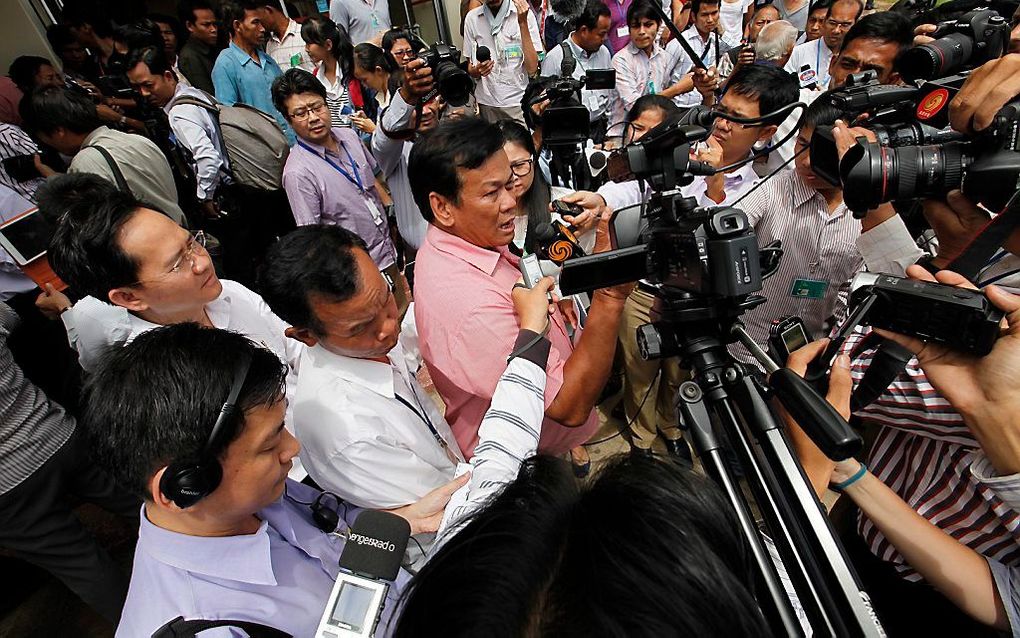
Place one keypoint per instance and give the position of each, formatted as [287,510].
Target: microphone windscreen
[482,54]
[545,232]
[376,545]
[597,160]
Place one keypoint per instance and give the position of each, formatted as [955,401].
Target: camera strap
[180,628]
[974,257]
[888,362]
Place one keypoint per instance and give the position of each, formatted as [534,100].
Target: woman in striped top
[331,50]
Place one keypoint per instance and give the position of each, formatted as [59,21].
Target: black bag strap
[569,62]
[986,243]
[180,628]
[117,175]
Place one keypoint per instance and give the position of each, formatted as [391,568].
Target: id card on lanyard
[354,178]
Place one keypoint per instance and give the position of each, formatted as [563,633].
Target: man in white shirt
[586,44]
[810,61]
[364,20]
[703,37]
[283,38]
[509,30]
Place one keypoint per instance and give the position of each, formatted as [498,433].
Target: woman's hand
[362,122]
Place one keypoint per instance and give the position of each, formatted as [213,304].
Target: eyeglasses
[522,168]
[196,244]
[725,111]
[302,113]
[832,24]
[402,53]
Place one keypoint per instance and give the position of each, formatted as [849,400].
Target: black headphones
[187,483]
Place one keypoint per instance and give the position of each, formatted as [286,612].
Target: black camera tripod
[724,407]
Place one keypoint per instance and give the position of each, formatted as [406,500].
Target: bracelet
[839,487]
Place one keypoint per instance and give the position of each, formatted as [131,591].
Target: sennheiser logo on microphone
[361,539]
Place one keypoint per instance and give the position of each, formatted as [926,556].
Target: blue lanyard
[355,179]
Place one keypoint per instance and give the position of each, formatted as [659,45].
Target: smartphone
[563,208]
[786,335]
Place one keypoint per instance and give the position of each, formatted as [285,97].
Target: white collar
[371,375]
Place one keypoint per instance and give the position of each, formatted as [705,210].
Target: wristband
[839,487]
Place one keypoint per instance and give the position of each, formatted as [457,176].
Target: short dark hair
[231,10]
[649,102]
[886,26]
[45,110]
[772,87]
[59,36]
[822,111]
[293,82]
[77,14]
[311,260]
[859,3]
[186,10]
[457,143]
[154,401]
[88,213]
[139,34]
[640,10]
[818,4]
[22,71]
[319,30]
[590,14]
[696,5]
[152,56]
[567,569]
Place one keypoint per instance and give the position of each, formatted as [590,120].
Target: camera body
[450,74]
[967,42]
[566,121]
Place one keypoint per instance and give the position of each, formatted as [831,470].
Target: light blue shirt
[238,78]
[279,576]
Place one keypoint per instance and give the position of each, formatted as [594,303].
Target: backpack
[255,144]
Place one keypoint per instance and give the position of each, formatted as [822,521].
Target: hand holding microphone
[484,65]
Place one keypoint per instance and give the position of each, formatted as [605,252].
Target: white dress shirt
[196,129]
[815,55]
[392,156]
[504,86]
[369,432]
[639,74]
[596,101]
[706,50]
[735,184]
[289,51]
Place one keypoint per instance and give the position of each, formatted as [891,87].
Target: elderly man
[775,44]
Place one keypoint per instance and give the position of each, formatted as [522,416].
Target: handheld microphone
[557,243]
[370,558]
[482,54]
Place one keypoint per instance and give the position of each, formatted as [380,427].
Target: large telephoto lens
[937,59]
[874,174]
[455,85]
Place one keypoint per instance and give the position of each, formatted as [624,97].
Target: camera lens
[455,85]
[873,174]
[940,58]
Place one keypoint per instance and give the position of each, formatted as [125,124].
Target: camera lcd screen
[27,237]
[794,338]
[352,608]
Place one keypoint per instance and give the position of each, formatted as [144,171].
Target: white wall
[21,33]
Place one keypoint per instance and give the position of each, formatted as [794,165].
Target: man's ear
[158,498]
[304,335]
[895,78]
[126,298]
[442,210]
[767,132]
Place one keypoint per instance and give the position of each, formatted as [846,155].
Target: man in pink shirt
[464,274]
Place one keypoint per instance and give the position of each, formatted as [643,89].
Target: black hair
[78,14]
[319,30]
[649,102]
[186,10]
[174,24]
[822,111]
[59,36]
[312,260]
[818,4]
[293,82]
[640,10]
[772,87]
[536,200]
[231,10]
[769,5]
[22,71]
[886,26]
[88,213]
[399,33]
[456,143]
[590,14]
[138,35]
[154,57]
[580,560]
[859,3]
[47,109]
[696,5]
[154,401]
[369,57]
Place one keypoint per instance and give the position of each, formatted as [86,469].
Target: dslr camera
[566,121]
[449,73]
[966,42]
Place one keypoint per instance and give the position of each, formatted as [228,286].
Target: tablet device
[26,237]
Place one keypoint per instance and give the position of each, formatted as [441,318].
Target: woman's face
[316,52]
[375,80]
[523,167]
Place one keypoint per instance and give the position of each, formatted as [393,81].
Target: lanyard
[818,63]
[355,179]
[421,415]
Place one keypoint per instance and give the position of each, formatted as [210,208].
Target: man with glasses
[810,61]
[330,177]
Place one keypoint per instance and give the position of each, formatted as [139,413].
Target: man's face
[366,326]
[430,114]
[864,54]
[250,31]
[61,139]
[156,89]
[255,465]
[169,38]
[842,16]
[815,23]
[204,28]
[175,273]
[47,76]
[735,139]
[803,161]
[309,116]
[765,16]
[591,40]
[645,122]
[643,32]
[707,19]
[484,214]
[73,55]
[402,52]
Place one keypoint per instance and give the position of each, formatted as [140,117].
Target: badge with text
[513,52]
[809,288]
[623,32]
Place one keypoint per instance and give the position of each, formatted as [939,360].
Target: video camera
[450,74]
[566,121]
[917,154]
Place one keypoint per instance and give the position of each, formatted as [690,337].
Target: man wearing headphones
[191,420]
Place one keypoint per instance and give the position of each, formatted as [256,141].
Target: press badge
[622,32]
[512,53]
[374,209]
[295,60]
[809,288]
